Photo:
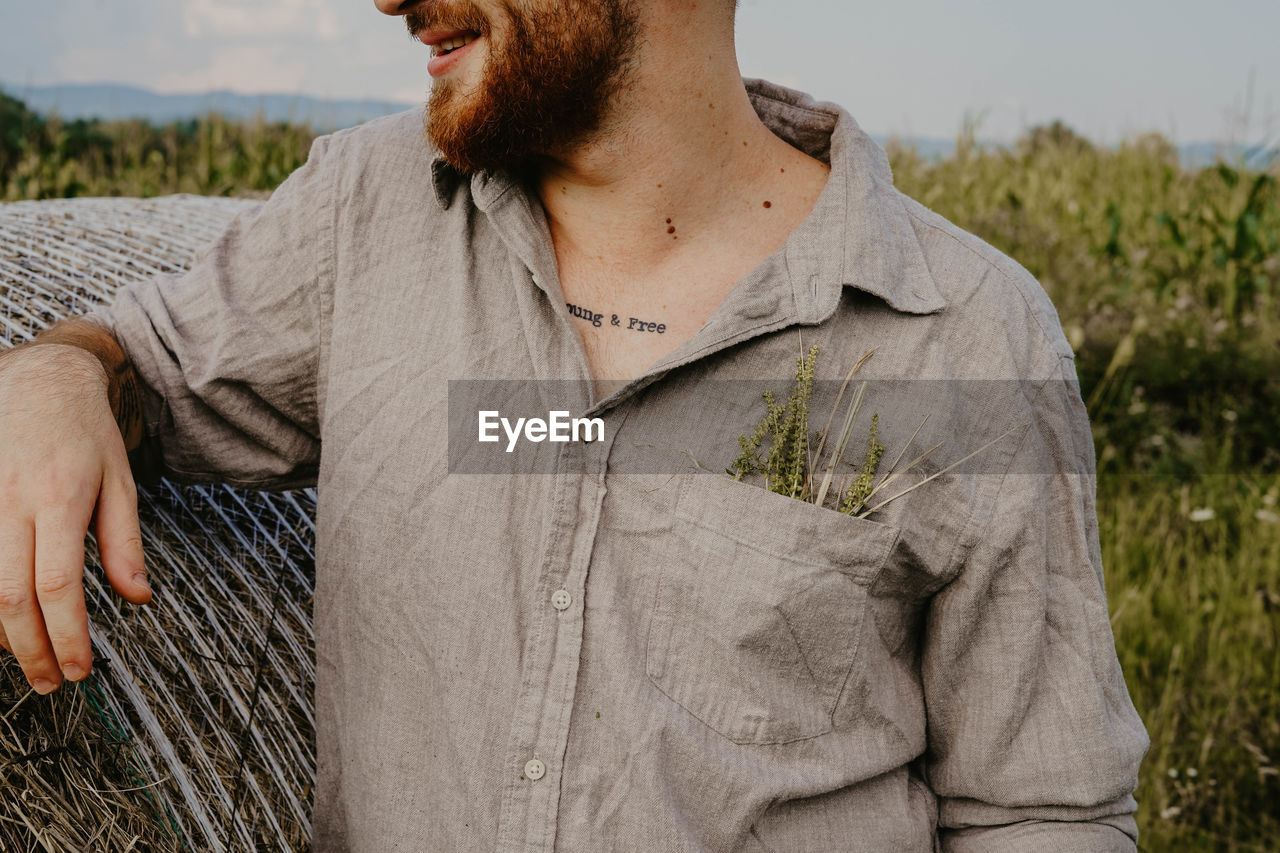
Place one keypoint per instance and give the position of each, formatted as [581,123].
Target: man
[588,651]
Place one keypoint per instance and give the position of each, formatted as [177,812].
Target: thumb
[120,536]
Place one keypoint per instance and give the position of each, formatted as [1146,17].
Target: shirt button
[561,599]
[534,769]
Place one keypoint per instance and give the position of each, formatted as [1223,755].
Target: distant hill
[1192,155]
[112,101]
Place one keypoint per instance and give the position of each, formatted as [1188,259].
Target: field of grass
[48,158]
[1196,612]
[1167,281]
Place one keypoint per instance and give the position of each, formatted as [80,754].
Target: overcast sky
[1110,69]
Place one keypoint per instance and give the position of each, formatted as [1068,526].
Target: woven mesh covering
[196,729]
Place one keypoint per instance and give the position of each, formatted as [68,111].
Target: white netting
[196,730]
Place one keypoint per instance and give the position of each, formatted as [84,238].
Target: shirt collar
[859,234]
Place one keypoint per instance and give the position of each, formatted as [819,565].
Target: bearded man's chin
[454,126]
[544,88]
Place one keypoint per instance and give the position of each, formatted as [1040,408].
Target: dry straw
[196,729]
[790,467]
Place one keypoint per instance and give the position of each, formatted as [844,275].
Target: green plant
[786,425]
[789,469]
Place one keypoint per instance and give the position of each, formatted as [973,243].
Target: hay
[196,729]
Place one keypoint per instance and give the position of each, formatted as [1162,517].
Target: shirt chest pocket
[760,609]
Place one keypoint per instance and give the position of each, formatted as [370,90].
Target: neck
[682,148]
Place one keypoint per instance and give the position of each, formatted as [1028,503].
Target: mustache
[445,15]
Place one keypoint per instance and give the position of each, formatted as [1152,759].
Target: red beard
[546,84]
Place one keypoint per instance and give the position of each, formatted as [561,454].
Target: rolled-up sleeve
[228,353]
[1034,743]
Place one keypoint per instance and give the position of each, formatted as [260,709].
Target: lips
[431,38]
[449,45]
[448,48]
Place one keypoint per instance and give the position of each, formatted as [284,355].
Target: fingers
[19,608]
[43,619]
[59,584]
[62,454]
[120,537]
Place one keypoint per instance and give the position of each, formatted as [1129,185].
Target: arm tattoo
[129,408]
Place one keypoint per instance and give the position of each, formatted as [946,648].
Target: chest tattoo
[634,324]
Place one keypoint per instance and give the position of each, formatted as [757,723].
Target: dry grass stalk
[779,469]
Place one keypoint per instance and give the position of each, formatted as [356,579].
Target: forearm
[122,382]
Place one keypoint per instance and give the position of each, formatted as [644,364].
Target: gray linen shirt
[602,647]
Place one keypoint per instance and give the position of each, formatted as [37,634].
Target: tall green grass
[1196,613]
[1166,280]
[49,158]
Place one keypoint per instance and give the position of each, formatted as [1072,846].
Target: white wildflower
[1266,516]
[1204,513]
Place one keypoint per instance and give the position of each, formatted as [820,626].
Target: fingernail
[43,687]
[73,672]
[141,580]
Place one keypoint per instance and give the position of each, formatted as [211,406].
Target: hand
[61,455]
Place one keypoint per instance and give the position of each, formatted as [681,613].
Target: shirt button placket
[528,818]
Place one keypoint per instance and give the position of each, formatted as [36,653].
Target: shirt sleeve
[228,353]
[1034,743]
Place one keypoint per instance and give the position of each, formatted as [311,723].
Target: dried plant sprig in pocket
[786,425]
[864,484]
[789,469]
